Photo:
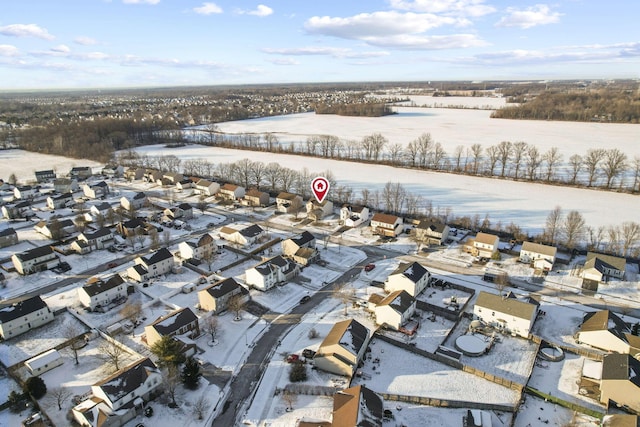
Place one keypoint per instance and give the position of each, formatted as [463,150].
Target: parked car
[369,267]
[112,265]
[304,299]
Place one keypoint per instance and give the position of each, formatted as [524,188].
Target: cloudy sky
[128,43]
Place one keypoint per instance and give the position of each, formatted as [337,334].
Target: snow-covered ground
[535,412]
[24,167]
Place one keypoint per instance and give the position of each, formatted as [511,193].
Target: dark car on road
[369,267]
[304,299]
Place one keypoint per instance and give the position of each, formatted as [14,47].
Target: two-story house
[395,310]
[432,232]
[159,263]
[318,211]
[506,312]
[198,249]
[96,191]
[134,173]
[98,293]
[353,216]
[23,316]
[8,237]
[243,235]
[55,229]
[181,323]
[171,178]
[131,227]
[270,272]
[357,406]
[60,201]
[231,192]
[113,171]
[137,201]
[118,398]
[80,172]
[411,277]
[25,192]
[620,383]
[255,198]
[34,260]
[541,256]
[301,248]
[602,268]
[99,239]
[17,210]
[484,245]
[206,187]
[216,297]
[605,330]
[343,348]
[288,202]
[182,211]
[386,225]
[45,175]
[65,185]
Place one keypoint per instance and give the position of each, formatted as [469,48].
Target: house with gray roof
[395,309]
[506,312]
[432,232]
[216,297]
[301,248]
[605,330]
[620,383]
[98,293]
[343,348]
[8,237]
[541,256]
[60,201]
[33,260]
[411,277]
[270,272]
[244,235]
[23,316]
[602,268]
[159,263]
[181,323]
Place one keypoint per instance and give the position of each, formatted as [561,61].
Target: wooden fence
[447,403]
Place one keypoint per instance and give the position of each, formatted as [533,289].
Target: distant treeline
[363,109]
[600,106]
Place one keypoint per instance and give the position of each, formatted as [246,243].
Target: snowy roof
[99,286]
[224,287]
[63,196]
[350,334]
[172,322]
[412,271]
[127,379]
[434,226]
[357,406]
[43,359]
[98,233]
[539,248]
[303,239]
[399,300]
[598,261]
[22,308]
[34,253]
[159,255]
[509,305]
[251,231]
[266,267]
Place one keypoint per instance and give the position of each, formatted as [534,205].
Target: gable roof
[434,226]
[229,187]
[399,301]
[412,271]
[34,253]
[185,206]
[254,192]
[158,256]
[508,305]
[7,232]
[357,406]
[98,233]
[350,334]
[99,286]
[204,240]
[267,266]
[127,379]
[617,366]
[224,287]
[606,320]
[486,238]
[597,261]
[385,218]
[539,248]
[303,238]
[172,322]
[22,308]
[251,231]
[286,196]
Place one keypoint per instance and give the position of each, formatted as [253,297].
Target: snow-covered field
[24,164]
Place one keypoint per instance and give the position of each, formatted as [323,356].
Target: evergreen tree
[191,374]
[36,387]
[168,350]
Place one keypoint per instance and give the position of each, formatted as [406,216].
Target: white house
[121,396]
[386,225]
[137,201]
[161,262]
[98,293]
[542,256]
[288,202]
[216,297]
[343,348]
[206,187]
[181,323]
[198,249]
[484,245]
[410,277]
[80,172]
[23,316]
[620,383]
[113,170]
[45,175]
[60,201]
[356,406]
[185,184]
[99,239]
[44,362]
[506,313]
[317,211]
[602,268]
[171,178]
[270,272]
[55,229]
[34,260]
[353,216]
[231,192]
[182,211]
[395,309]
[242,235]
[432,232]
[17,210]
[255,198]
[65,185]
[134,173]
[8,237]
[96,191]
[25,192]
[604,330]
[301,248]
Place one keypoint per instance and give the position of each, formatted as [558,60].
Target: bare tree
[501,282]
[476,155]
[140,237]
[13,179]
[289,398]
[154,238]
[636,174]
[396,153]
[394,196]
[592,164]
[208,257]
[573,229]
[533,162]
[131,310]
[236,304]
[346,294]
[202,203]
[272,175]
[73,334]
[131,238]
[166,237]
[596,235]
[519,151]
[493,155]
[211,326]
[575,165]
[457,155]
[630,233]
[552,158]
[505,150]
[613,165]
[241,171]
[59,395]
[112,352]
[439,157]
[257,173]
[552,225]
[200,406]
[171,380]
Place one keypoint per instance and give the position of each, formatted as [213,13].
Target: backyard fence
[447,403]
[561,402]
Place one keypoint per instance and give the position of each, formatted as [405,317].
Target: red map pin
[320,188]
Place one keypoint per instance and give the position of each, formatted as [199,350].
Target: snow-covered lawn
[23,164]
[561,321]
[428,416]
[535,412]
[429,335]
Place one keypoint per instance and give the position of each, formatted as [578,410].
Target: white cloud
[540,14]
[8,50]
[435,42]
[85,41]
[26,30]
[377,24]
[327,51]
[261,10]
[472,8]
[284,61]
[61,48]
[207,9]
[140,1]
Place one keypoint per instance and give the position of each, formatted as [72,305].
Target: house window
[493,313]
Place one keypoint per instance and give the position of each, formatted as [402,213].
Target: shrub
[298,372]
[36,387]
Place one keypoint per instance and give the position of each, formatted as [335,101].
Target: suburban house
[60,201]
[181,324]
[137,201]
[185,184]
[161,262]
[605,330]
[343,348]
[242,235]
[65,185]
[216,297]
[357,406]
[602,268]
[484,245]
[432,232]
[395,309]
[44,362]
[620,383]
[255,198]
[98,293]
[410,277]
[45,176]
[113,170]
[132,227]
[621,420]
[198,249]
[119,397]
[25,192]
[34,260]
[506,313]
[99,239]
[133,173]
[24,316]
[17,210]
[206,187]
[231,192]
[153,176]
[270,272]
[96,191]
[55,229]
[8,237]
[317,211]
[386,225]
[182,211]
[288,202]
[353,216]
[171,178]
[80,172]
[541,256]
[100,209]
[301,249]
